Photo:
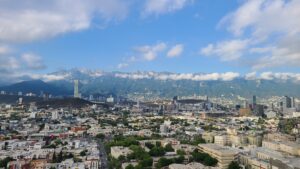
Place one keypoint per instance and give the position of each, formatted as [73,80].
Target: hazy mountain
[153,83]
[36,86]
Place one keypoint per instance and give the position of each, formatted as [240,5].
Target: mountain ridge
[159,84]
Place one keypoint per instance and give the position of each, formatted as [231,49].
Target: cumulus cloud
[47,77]
[149,52]
[122,65]
[251,76]
[33,61]
[8,64]
[181,76]
[226,50]
[14,66]
[175,51]
[286,53]
[272,31]
[4,49]
[157,7]
[265,17]
[279,75]
[29,20]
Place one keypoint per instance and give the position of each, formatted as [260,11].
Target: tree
[162,162]
[234,165]
[130,166]
[180,152]
[83,153]
[179,160]
[60,157]
[157,151]
[204,158]
[149,145]
[146,162]
[169,148]
[121,158]
[100,136]
[54,158]
[5,161]
[209,161]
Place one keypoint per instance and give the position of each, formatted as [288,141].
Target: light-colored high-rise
[76,89]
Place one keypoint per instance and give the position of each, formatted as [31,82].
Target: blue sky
[183,36]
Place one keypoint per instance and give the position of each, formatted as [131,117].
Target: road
[103,155]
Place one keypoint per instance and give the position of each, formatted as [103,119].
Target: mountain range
[162,84]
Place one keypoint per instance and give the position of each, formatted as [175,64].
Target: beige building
[190,166]
[209,136]
[118,151]
[291,148]
[224,155]
[222,140]
[253,162]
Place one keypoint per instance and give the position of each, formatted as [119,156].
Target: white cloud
[149,52]
[181,76]
[175,51]
[122,65]
[272,30]
[33,61]
[158,7]
[226,50]
[280,76]
[4,49]
[29,20]
[250,76]
[265,17]
[285,53]
[47,77]
[8,64]
[12,68]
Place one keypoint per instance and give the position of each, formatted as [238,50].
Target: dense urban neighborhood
[192,132]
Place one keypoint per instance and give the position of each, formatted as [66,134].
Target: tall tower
[254,101]
[76,90]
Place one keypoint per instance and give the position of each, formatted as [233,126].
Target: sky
[246,37]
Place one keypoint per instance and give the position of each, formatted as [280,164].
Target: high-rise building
[254,101]
[286,103]
[55,115]
[245,104]
[76,89]
[293,102]
[91,98]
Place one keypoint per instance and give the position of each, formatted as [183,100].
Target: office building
[76,89]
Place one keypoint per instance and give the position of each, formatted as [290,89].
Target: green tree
[180,152]
[83,153]
[100,136]
[169,148]
[162,162]
[179,160]
[5,161]
[209,161]
[157,151]
[130,166]
[147,162]
[149,145]
[234,165]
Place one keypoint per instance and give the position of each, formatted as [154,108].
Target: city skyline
[181,36]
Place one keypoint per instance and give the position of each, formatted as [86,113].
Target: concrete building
[222,140]
[76,89]
[118,151]
[224,155]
